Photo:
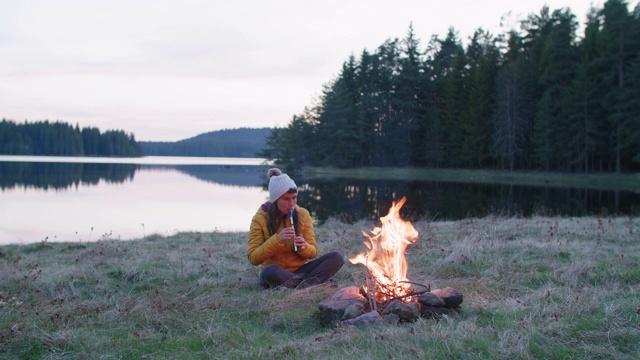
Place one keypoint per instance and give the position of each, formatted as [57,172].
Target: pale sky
[168,70]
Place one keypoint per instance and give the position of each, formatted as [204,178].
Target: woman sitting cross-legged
[282,240]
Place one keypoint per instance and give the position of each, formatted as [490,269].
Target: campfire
[385,259]
[385,290]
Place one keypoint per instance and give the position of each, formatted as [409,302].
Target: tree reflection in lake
[351,199]
[236,175]
[60,176]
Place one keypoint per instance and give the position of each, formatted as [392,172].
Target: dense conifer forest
[539,97]
[62,139]
[242,142]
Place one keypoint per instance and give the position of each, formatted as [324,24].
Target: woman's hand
[287,234]
[300,242]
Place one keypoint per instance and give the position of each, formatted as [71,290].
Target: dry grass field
[534,288]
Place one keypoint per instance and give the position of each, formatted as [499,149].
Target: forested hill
[242,142]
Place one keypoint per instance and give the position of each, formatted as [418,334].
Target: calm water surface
[87,199]
[66,199]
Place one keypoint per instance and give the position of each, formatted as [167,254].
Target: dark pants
[312,273]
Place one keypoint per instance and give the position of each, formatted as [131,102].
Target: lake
[87,199]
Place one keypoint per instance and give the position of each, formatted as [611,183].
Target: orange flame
[385,259]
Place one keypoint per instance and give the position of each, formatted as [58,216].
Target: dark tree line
[58,139]
[537,98]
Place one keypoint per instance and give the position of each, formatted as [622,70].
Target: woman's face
[287,202]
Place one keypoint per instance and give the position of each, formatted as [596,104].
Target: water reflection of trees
[351,200]
[62,175]
[233,175]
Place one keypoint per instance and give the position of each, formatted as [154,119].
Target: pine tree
[631,125]
[339,122]
[556,63]
[617,54]
[383,70]
[482,56]
[582,106]
[409,117]
[510,119]
[449,67]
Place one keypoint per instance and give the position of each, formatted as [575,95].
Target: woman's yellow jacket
[265,249]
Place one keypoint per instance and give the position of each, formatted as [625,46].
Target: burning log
[373,289]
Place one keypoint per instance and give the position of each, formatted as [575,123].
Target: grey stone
[406,312]
[333,310]
[367,319]
[353,311]
[431,299]
[391,319]
[351,292]
[452,297]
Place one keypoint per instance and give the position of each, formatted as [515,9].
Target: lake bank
[630,182]
[540,287]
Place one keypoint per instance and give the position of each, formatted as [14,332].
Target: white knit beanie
[279,184]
